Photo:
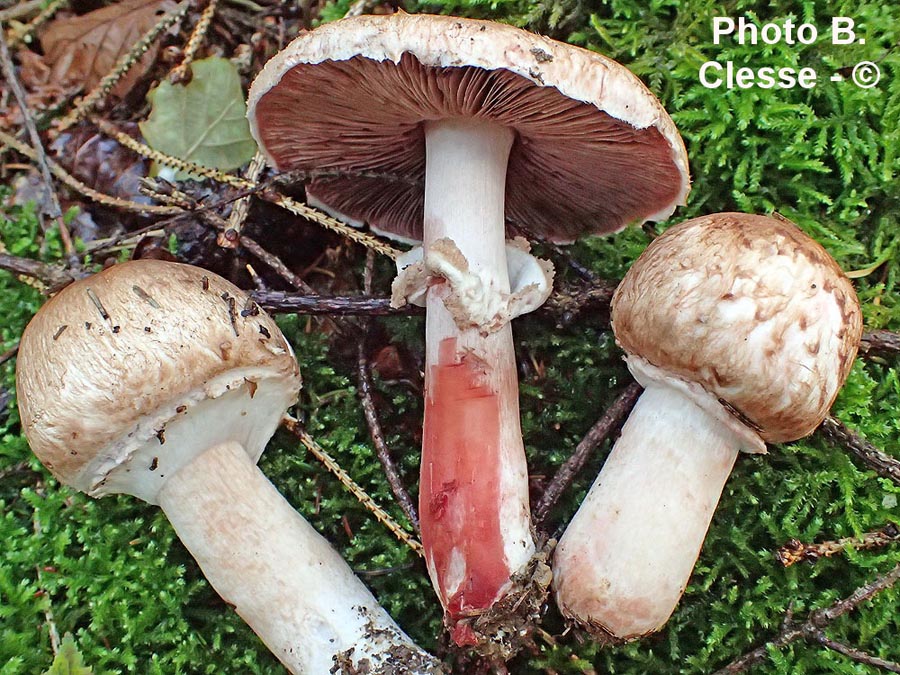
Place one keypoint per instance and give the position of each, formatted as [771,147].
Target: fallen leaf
[203,122]
[81,50]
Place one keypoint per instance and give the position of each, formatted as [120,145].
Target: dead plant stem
[9,72]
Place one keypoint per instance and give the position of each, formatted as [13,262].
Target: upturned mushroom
[440,129]
[742,330]
[164,381]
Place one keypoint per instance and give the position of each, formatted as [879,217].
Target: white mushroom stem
[282,577]
[627,555]
[474,488]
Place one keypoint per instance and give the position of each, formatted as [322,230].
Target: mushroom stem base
[626,557]
[281,576]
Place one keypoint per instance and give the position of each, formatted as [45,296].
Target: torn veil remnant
[439,129]
[741,330]
[178,415]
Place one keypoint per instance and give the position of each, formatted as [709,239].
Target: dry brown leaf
[81,50]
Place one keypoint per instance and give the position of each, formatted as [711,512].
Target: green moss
[828,158]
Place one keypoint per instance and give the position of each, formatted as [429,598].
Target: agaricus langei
[742,330]
[440,129]
[164,381]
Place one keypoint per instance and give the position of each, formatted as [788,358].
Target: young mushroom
[165,381]
[741,329]
[439,129]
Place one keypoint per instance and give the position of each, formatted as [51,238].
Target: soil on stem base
[459,502]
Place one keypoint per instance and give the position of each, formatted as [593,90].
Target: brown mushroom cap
[111,360]
[594,149]
[750,308]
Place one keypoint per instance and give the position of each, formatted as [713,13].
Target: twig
[241,207]
[50,275]
[880,343]
[364,375]
[294,426]
[20,468]
[89,192]
[179,72]
[856,654]
[123,65]
[276,265]
[295,207]
[381,449]
[17,35]
[383,571]
[815,622]
[258,283]
[281,302]
[124,240]
[796,551]
[611,420]
[880,462]
[9,353]
[567,303]
[9,72]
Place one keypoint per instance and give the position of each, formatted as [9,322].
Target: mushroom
[741,329]
[440,129]
[165,382]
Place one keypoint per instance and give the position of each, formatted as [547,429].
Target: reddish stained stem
[459,498]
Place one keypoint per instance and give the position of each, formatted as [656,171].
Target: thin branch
[49,275]
[611,420]
[122,66]
[847,439]
[381,449]
[9,72]
[9,353]
[569,302]
[364,377]
[815,622]
[18,35]
[857,654]
[276,265]
[281,302]
[796,551]
[879,343]
[822,617]
[293,425]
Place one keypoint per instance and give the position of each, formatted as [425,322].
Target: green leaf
[203,122]
[68,661]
